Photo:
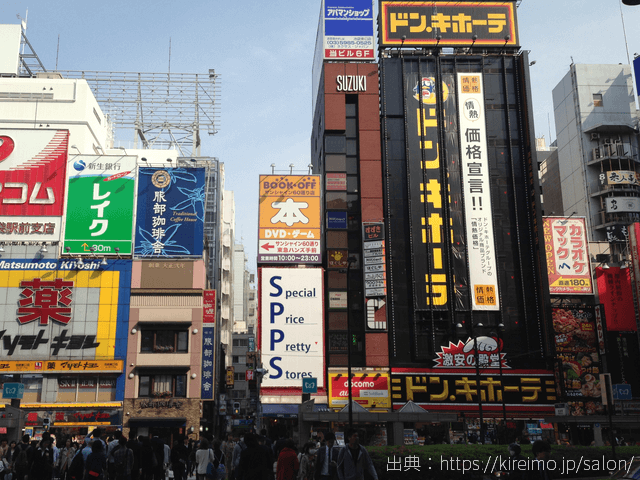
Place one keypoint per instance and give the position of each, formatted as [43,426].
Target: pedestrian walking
[354,459]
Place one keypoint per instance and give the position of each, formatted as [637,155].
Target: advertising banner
[619,177]
[206,391]
[577,347]
[617,233]
[170,212]
[614,292]
[566,247]
[209,306]
[419,24]
[100,200]
[463,354]
[290,219]
[57,310]
[61,366]
[32,184]
[292,326]
[622,204]
[524,391]
[634,270]
[369,390]
[336,181]
[483,278]
[348,30]
[429,239]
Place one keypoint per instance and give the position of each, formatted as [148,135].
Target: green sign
[100,198]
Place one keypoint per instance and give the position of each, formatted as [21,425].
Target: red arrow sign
[268,246]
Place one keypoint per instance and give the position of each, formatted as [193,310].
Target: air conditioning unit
[607,141]
[595,136]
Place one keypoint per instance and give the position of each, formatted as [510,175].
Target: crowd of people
[252,457]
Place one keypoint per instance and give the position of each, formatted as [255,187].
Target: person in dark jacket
[134,446]
[179,455]
[254,462]
[148,460]
[327,459]
[354,459]
[42,460]
[95,467]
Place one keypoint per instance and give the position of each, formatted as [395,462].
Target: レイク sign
[292,333]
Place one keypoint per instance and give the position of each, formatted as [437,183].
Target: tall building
[228,223]
[240,289]
[596,127]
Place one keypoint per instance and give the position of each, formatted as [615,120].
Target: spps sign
[291,330]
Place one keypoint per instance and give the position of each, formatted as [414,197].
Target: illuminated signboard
[60,310]
[290,219]
[32,184]
[100,200]
[292,320]
[369,390]
[348,30]
[565,241]
[521,390]
[463,354]
[61,366]
[170,212]
[420,24]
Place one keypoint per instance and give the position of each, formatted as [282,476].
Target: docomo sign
[291,325]
[371,389]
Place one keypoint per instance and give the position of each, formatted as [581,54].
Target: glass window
[338,342]
[336,200]
[183,341]
[352,165]
[352,183]
[181,386]
[351,109]
[597,100]
[352,128]
[336,163]
[352,147]
[335,144]
[239,376]
[164,341]
[234,359]
[145,386]
[146,344]
[163,385]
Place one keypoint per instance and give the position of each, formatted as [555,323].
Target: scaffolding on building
[166,110]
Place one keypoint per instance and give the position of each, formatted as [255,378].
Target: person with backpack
[204,456]
[96,464]
[122,460]
[22,458]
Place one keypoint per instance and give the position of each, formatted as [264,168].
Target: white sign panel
[623,205]
[292,330]
[477,195]
[348,30]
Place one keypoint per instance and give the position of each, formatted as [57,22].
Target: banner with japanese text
[634,270]
[614,292]
[209,306]
[206,392]
[64,315]
[483,273]
[170,213]
[100,199]
[289,219]
[566,249]
[32,184]
[348,30]
[371,390]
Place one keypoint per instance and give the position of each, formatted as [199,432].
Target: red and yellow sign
[371,390]
[209,306]
[61,366]
[566,249]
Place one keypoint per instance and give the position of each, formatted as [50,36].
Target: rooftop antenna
[169,56]
[57,52]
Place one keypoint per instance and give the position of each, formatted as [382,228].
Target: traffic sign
[13,390]
[621,391]
[309,385]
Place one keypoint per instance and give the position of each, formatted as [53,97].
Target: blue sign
[337,220]
[206,391]
[621,391]
[309,385]
[13,390]
[354,19]
[170,214]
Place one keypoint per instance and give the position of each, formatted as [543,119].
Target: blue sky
[264,52]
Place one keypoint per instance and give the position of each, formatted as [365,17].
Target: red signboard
[209,306]
[32,172]
[614,290]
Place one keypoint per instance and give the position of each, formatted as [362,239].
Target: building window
[163,385]
[238,359]
[240,342]
[164,341]
[597,100]
[239,376]
[238,394]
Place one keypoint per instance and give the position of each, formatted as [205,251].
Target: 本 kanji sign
[483,276]
[289,229]
[100,205]
[446,23]
[566,248]
[32,184]
[170,219]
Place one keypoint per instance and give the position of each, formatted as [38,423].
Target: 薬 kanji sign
[290,216]
[45,300]
[100,205]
